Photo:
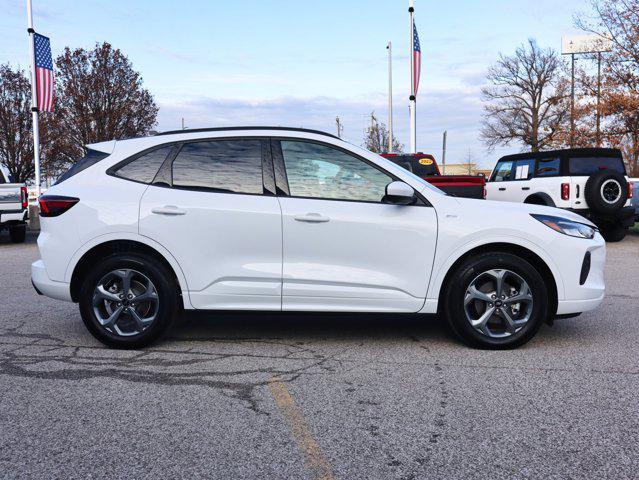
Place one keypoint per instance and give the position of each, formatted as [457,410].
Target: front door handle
[525,188]
[502,189]
[168,210]
[312,218]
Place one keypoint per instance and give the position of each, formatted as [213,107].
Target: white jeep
[590,181]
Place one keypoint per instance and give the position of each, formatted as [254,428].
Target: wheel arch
[543,266]
[540,198]
[97,250]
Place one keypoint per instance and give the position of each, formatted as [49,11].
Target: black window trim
[282,179]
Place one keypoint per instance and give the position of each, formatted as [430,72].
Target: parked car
[425,166]
[14,207]
[298,220]
[590,181]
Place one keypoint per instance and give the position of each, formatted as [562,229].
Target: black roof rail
[222,129]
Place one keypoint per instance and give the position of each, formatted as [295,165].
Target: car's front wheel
[495,300]
[129,300]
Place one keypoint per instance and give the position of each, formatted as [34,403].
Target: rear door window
[585,166]
[524,169]
[503,172]
[91,158]
[227,166]
[144,168]
[549,167]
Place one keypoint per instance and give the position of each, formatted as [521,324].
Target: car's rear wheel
[18,233]
[614,233]
[495,300]
[129,300]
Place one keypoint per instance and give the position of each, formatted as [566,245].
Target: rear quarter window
[144,168]
[91,158]
[584,166]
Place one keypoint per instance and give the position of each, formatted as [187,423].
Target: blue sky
[281,62]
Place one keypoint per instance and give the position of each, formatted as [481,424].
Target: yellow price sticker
[425,161]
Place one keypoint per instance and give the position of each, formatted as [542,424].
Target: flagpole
[412,106]
[390,97]
[34,101]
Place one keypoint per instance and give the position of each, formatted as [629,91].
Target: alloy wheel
[498,303]
[125,302]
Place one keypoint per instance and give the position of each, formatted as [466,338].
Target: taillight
[54,205]
[630,189]
[484,192]
[24,195]
[565,191]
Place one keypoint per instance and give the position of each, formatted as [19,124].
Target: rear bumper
[10,218]
[624,216]
[47,287]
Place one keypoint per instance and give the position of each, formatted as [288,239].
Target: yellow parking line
[313,457]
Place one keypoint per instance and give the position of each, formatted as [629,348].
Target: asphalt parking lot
[317,396]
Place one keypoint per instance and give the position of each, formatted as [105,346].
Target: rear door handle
[525,188]
[502,189]
[168,210]
[312,218]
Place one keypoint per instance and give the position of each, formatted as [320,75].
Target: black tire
[460,280]
[608,180]
[18,233]
[168,307]
[614,234]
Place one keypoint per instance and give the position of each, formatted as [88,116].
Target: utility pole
[572,104]
[183,127]
[444,152]
[340,127]
[389,47]
[598,99]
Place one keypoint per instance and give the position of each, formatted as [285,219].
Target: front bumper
[582,297]
[47,287]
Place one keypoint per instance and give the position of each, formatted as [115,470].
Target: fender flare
[442,268]
[130,236]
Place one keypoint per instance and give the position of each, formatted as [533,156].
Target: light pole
[389,47]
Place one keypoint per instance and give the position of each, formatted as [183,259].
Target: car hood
[490,207]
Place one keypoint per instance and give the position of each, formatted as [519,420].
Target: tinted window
[590,165]
[503,172]
[222,165]
[549,167]
[2,180]
[422,167]
[524,169]
[91,158]
[144,168]
[319,171]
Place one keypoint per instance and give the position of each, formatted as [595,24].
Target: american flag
[43,72]
[417,60]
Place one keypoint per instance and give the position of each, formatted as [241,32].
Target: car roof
[249,128]
[578,152]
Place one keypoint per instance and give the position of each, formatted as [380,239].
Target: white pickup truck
[14,207]
[591,182]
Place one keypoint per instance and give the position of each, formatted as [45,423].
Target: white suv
[267,218]
[589,181]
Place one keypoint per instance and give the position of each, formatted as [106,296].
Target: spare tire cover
[606,191]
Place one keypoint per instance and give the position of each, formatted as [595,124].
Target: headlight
[565,226]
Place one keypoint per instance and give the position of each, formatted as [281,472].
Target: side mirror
[400,193]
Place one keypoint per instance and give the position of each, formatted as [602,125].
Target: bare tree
[16,146]
[99,97]
[376,138]
[526,102]
[619,21]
